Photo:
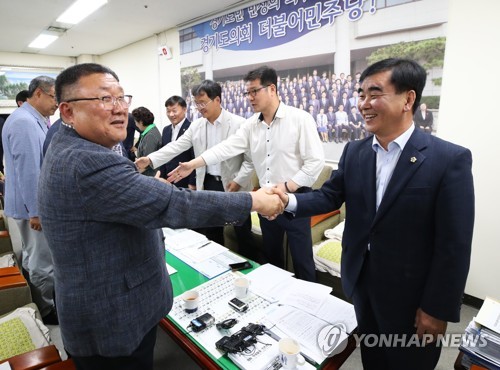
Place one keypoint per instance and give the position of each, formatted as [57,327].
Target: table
[187,278]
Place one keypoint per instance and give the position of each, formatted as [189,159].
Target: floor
[169,356]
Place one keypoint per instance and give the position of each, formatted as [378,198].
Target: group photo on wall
[325,84]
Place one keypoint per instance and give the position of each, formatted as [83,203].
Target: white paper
[299,325]
[204,252]
[489,314]
[266,278]
[170,269]
[306,296]
[184,238]
[334,310]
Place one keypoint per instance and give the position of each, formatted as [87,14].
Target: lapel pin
[413,159]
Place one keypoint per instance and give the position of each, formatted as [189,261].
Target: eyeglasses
[108,102]
[202,105]
[46,93]
[254,92]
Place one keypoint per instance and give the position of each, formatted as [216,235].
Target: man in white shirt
[286,151]
[233,174]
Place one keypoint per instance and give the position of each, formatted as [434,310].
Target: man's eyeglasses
[254,92]
[202,105]
[46,93]
[108,102]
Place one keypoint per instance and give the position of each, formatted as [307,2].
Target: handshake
[269,202]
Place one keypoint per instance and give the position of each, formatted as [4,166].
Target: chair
[14,289]
[45,358]
[319,224]
[35,359]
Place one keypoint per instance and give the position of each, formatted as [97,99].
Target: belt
[216,178]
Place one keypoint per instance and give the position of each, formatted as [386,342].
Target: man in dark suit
[409,201]
[176,113]
[103,222]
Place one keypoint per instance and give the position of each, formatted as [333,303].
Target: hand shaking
[267,203]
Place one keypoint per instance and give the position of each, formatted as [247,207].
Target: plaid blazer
[103,223]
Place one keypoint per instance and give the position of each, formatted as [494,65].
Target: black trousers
[216,234]
[140,359]
[298,231]
[385,313]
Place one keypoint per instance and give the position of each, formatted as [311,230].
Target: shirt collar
[400,141]
[179,124]
[218,120]
[280,112]
[34,112]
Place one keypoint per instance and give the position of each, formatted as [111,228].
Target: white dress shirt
[287,149]
[387,160]
[238,168]
[176,129]
[214,137]
[386,163]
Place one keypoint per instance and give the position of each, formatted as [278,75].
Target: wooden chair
[14,289]
[34,360]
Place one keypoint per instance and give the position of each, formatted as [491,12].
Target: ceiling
[115,25]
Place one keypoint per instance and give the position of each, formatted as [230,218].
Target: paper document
[217,265]
[334,310]
[305,295]
[203,252]
[303,327]
[266,279]
[184,238]
[489,314]
[170,269]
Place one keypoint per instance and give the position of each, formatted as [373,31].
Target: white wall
[35,60]
[146,75]
[471,54]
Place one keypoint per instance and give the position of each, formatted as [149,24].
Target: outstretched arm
[184,169]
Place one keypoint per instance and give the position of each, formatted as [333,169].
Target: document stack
[481,342]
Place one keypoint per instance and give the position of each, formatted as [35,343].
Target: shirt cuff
[292,204]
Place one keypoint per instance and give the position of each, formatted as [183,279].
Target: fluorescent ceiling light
[79,10]
[42,41]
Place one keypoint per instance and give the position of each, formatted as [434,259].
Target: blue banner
[274,22]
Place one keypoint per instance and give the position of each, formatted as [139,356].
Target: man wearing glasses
[112,286]
[23,137]
[286,151]
[232,174]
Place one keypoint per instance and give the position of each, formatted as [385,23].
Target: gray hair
[43,82]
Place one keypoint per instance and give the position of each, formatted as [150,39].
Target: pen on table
[277,339]
[204,245]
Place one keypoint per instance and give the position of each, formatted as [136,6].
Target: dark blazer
[186,156]
[420,237]
[103,221]
[50,134]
